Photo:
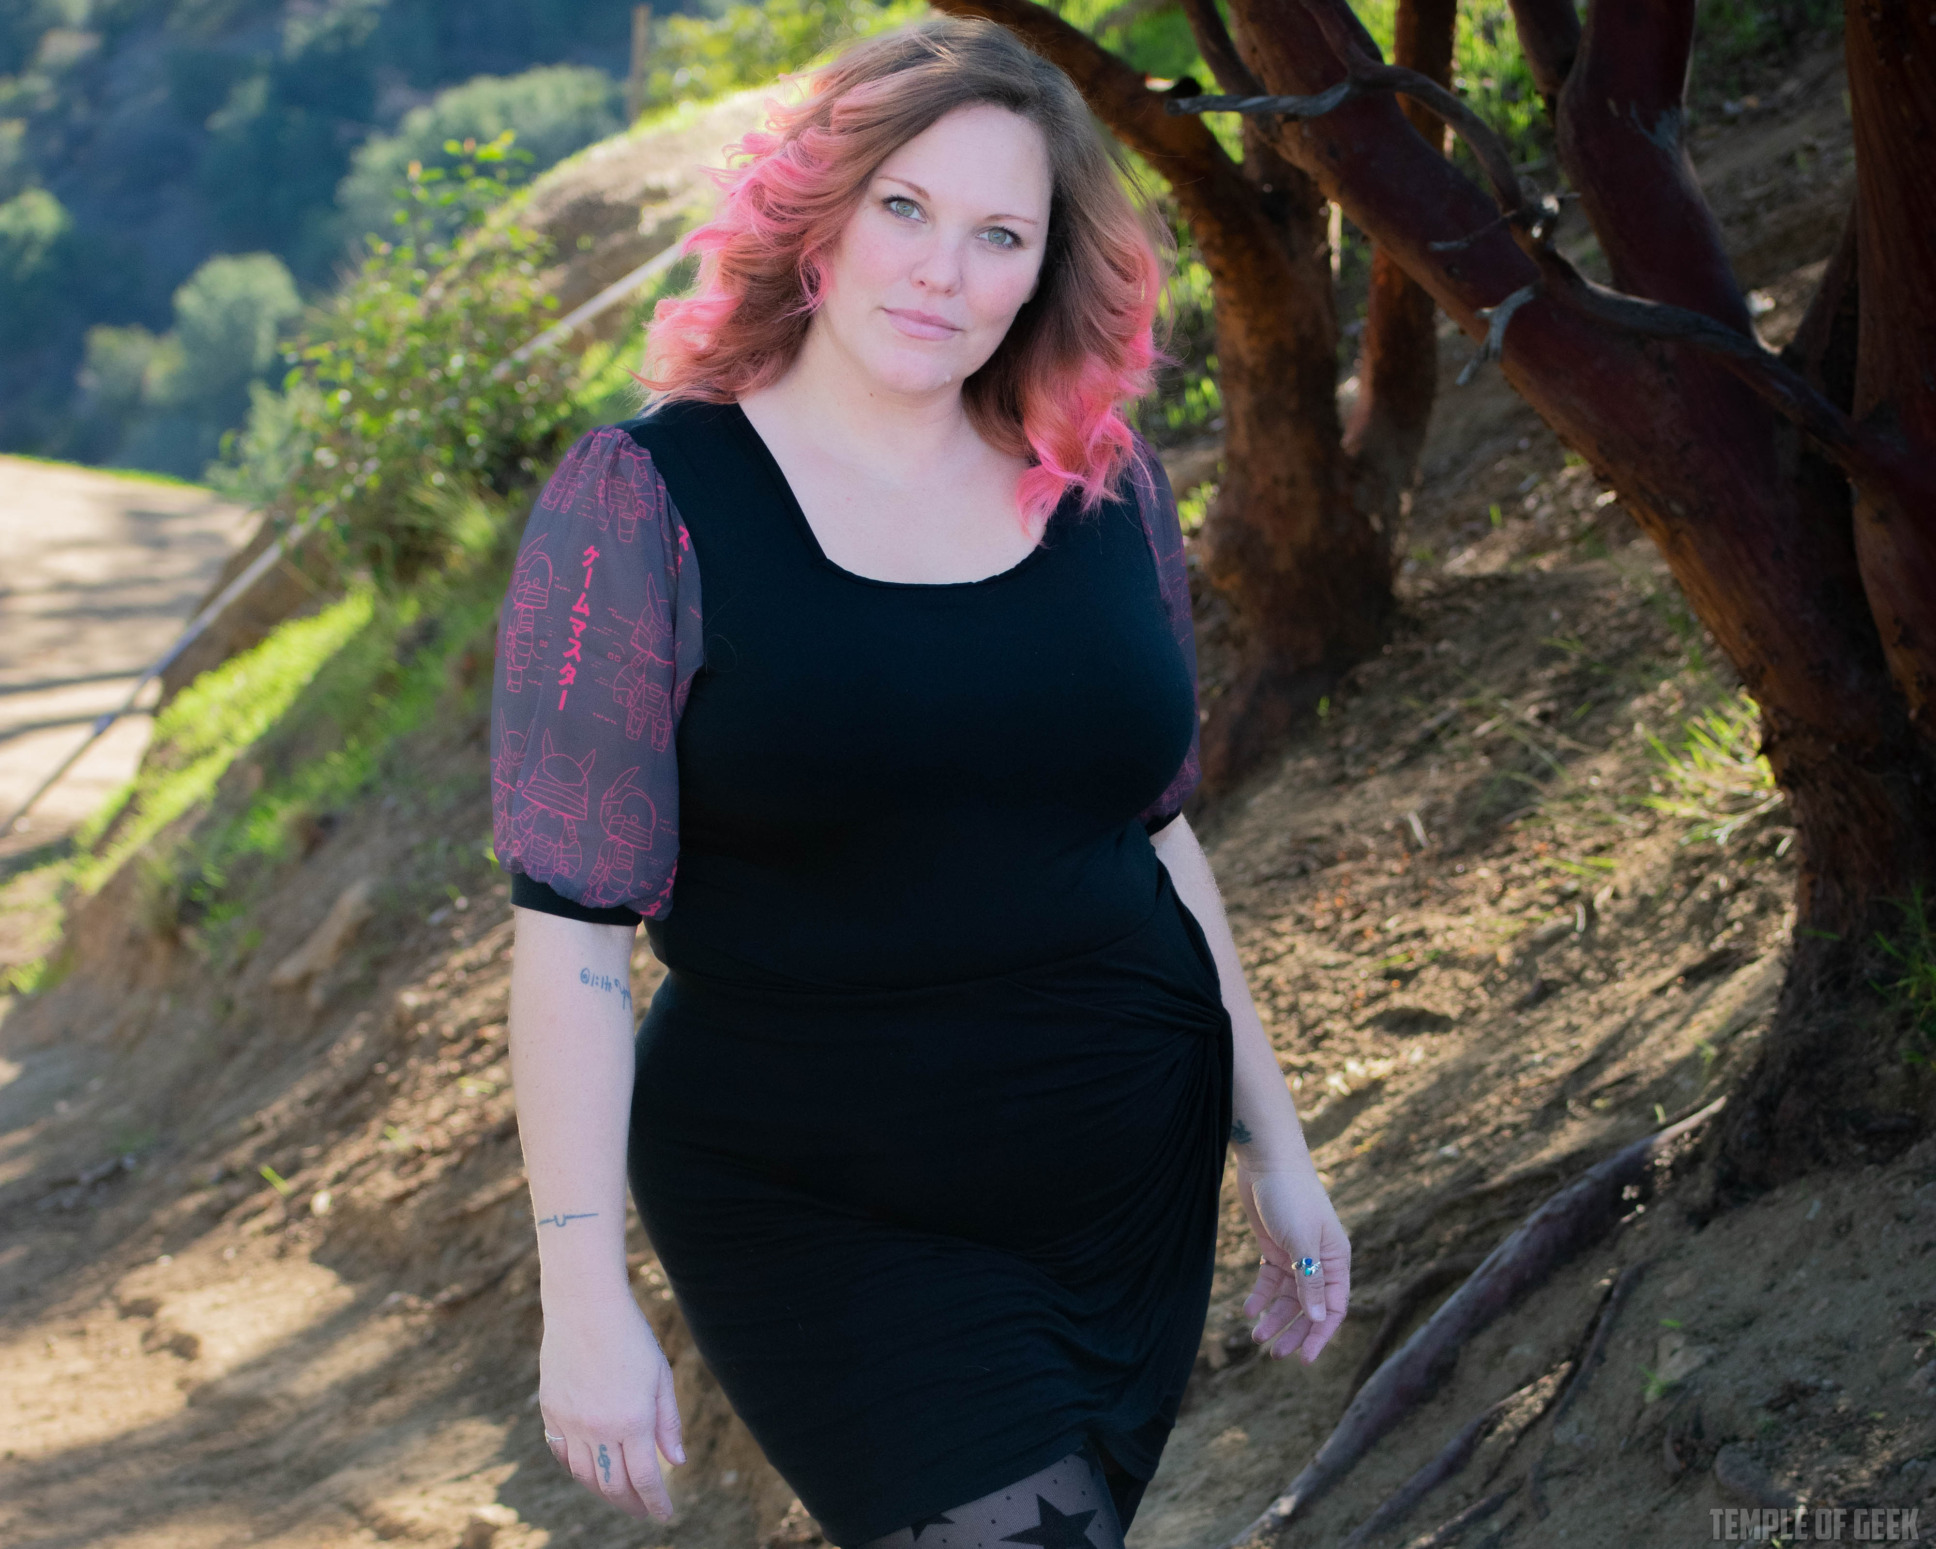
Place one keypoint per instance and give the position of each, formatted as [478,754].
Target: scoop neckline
[763,455]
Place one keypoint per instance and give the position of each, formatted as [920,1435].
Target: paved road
[98,573]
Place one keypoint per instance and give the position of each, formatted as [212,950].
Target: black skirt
[930,1240]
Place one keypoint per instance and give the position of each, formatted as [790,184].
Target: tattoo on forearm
[607,984]
[1239,1133]
[604,1462]
[560,1220]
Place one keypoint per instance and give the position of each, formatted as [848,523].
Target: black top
[898,783]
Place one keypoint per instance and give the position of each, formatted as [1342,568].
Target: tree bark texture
[1398,363]
[1891,49]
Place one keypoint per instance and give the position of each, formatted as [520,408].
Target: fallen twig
[1577,1215]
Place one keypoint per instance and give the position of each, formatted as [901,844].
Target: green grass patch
[1714,776]
[206,727]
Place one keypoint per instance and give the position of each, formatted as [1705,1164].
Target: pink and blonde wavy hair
[1080,348]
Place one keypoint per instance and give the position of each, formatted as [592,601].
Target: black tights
[1078,1502]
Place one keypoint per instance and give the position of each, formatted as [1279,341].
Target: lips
[920,325]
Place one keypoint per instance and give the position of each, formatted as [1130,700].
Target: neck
[899,437]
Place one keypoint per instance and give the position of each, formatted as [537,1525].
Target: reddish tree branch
[1620,141]
[1897,478]
[1549,37]
[1398,352]
[1219,52]
[1823,349]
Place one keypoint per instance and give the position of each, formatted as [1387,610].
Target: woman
[927,1119]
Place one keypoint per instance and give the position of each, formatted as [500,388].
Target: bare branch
[1366,77]
[1219,52]
[1878,466]
[1451,1532]
[1497,317]
[1291,107]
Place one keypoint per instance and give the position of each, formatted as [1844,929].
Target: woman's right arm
[604,1384]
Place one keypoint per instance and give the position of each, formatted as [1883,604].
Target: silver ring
[550,1437]
[1306,1267]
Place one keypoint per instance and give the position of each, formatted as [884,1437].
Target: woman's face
[941,252]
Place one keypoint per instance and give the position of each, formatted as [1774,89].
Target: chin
[901,373]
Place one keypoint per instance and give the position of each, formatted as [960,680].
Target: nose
[938,268]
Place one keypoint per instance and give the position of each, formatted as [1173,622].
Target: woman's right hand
[604,1387]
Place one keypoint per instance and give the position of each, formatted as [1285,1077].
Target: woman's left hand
[1293,1219]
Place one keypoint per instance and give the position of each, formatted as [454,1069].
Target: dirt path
[98,573]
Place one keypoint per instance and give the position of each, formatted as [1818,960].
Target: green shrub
[394,382]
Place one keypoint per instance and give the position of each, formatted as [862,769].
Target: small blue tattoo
[560,1220]
[608,984]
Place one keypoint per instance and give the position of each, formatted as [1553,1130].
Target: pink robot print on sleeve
[599,637]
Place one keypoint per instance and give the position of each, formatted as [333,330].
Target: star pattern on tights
[937,1520]
[1055,1530]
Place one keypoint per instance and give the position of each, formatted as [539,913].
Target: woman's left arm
[1276,1179]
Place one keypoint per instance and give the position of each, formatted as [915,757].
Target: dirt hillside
[1493,936]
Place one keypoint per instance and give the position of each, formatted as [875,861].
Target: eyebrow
[1027,220]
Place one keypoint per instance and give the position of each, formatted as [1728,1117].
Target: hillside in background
[142,138]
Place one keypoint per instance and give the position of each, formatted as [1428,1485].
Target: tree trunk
[1891,51]
[1398,364]
[1307,574]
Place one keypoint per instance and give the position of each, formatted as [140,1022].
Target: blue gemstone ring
[1306,1266]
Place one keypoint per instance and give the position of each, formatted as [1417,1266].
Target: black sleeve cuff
[529,893]
[1156,825]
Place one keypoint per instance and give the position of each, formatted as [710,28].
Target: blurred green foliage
[164,401]
[150,135]
[553,111]
[36,251]
[395,382]
[745,45]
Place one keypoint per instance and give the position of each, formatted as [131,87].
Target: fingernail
[678,1453]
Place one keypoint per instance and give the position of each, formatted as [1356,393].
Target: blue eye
[1014,240]
[893,199]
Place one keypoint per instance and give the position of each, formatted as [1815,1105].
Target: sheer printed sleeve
[1164,529]
[598,640]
